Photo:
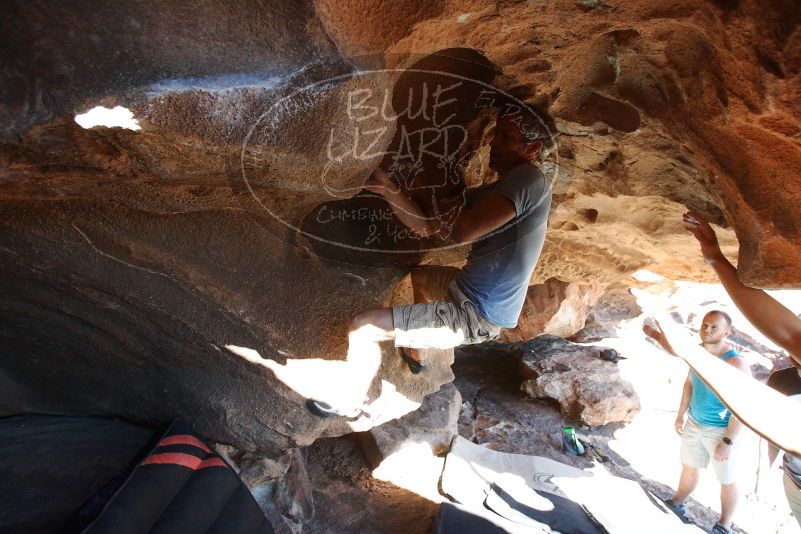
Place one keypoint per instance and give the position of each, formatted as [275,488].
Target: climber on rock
[506,223]
[710,431]
[771,318]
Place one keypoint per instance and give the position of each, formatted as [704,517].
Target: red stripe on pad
[184,439]
[212,462]
[184,460]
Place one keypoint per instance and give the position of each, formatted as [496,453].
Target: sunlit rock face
[157,273]
[664,105]
[587,388]
[556,308]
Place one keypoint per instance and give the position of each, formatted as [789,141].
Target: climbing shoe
[570,442]
[720,529]
[414,366]
[323,409]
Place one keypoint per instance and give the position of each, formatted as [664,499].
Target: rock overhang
[152,243]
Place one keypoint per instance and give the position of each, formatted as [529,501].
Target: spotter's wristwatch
[727,441]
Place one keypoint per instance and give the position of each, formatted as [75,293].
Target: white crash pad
[517,487]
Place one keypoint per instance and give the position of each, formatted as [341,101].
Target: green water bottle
[570,442]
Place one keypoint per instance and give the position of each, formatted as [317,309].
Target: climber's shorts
[449,321]
[698,444]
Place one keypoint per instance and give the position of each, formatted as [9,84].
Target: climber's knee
[374,323]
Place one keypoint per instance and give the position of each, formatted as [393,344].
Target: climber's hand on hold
[656,306]
[379,182]
[703,232]
[652,331]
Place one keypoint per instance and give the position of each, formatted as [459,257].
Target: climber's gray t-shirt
[500,264]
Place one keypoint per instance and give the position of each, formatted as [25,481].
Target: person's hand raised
[703,232]
[379,182]
[652,332]
[656,306]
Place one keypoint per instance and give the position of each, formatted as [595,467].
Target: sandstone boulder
[554,307]
[613,307]
[588,389]
[593,333]
[280,484]
[673,105]
[433,424]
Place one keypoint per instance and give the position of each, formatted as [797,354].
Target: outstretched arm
[657,335]
[490,213]
[407,210]
[762,409]
[767,314]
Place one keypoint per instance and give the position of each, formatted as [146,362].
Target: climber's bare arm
[406,209]
[763,311]
[764,410]
[656,334]
[489,213]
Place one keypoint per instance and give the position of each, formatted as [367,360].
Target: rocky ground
[496,413]
[349,499]
[645,450]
